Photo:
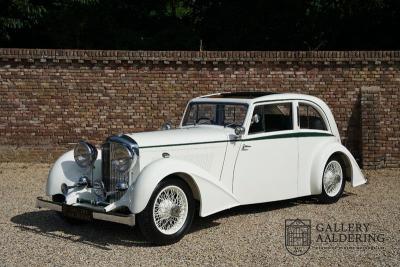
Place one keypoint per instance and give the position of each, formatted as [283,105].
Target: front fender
[320,160]
[213,196]
[65,170]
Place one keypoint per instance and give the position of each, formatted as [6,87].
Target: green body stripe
[277,136]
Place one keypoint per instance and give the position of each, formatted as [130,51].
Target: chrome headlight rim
[85,154]
[123,157]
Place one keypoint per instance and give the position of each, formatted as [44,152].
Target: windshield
[224,114]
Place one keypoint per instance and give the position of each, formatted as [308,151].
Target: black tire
[324,197]
[147,224]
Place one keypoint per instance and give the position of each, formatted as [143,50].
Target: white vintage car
[230,149]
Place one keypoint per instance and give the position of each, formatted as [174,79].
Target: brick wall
[49,99]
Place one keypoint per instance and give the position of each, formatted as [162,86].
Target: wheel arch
[188,179]
[346,164]
[352,171]
[211,193]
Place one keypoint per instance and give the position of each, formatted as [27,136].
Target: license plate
[77,213]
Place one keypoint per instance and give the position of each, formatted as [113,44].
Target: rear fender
[320,160]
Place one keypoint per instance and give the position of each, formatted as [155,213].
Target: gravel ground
[249,235]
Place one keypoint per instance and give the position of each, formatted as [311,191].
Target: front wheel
[332,181]
[169,213]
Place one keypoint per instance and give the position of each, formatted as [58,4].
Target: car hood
[182,136]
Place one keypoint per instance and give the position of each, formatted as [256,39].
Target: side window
[271,118]
[278,117]
[310,118]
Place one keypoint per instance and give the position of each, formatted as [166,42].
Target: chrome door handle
[245,147]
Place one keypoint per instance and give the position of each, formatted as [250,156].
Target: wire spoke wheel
[333,178]
[170,210]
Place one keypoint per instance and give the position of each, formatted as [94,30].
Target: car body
[230,149]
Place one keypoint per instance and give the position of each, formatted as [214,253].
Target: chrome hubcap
[170,210]
[333,178]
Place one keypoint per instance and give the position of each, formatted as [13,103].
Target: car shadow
[102,235]
[99,234]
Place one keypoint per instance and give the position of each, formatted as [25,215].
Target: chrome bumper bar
[97,215]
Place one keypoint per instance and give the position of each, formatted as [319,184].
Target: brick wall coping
[18,54]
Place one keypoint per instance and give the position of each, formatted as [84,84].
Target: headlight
[85,154]
[123,157]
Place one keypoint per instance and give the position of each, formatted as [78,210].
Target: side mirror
[166,126]
[239,131]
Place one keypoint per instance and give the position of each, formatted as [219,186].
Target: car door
[266,165]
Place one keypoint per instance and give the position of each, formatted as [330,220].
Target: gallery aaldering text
[347,232]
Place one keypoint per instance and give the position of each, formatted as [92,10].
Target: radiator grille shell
[110,176]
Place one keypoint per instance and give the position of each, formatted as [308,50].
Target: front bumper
[98,214]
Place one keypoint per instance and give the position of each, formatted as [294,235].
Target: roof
[250,98]
[247,95]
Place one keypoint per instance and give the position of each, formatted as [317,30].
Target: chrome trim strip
[41,203]
[127,219]
[110,217]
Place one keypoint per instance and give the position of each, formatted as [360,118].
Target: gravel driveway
[249,235]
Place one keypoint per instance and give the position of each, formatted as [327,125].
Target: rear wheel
[169,213]
[332,181]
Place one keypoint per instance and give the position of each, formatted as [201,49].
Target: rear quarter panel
[320,159]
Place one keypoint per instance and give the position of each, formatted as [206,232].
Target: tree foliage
[220,24]
[18,14]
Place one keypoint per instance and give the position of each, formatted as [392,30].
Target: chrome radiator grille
[110,175]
